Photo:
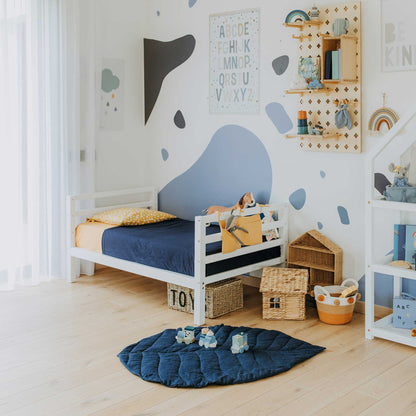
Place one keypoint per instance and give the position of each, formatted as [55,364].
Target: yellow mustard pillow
[131,216]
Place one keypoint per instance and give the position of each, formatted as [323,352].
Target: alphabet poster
[398,39]
[112,94]
[234,62]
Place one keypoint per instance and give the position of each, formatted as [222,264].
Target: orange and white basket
[331,308]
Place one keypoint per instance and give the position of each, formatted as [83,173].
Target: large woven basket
[220,298]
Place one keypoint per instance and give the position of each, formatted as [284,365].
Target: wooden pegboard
[320,106]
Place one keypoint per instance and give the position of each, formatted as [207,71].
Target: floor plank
[59,344]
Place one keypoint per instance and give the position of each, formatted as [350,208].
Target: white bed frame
[147,197]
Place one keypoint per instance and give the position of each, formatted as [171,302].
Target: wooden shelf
[312,265]
[320,249]
[314,136]
[309,91]
[301,25]
[348,45]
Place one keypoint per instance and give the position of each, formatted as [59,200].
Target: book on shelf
[339,63]
[410,244]
[399,251]
[328,65]
[335,65]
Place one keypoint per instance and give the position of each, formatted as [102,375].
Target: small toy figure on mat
[342,116]
[246,201]
[401,174]
[207,338]
[187,335]
[239,343]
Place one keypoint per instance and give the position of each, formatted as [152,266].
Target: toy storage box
[404,312]
[220,298]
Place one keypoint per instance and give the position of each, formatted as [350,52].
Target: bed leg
[87,268]
[199,304]
[72,269]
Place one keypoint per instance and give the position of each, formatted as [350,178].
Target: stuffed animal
[246,201]
[401,174]
[317,129]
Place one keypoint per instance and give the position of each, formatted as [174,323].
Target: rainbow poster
[234,62]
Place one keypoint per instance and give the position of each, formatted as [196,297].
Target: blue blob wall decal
[279,117]
[192,3]
[160,58]
[234,162]
[179,120]
[280,64]
[322,173]
[165,154]
[298,199]
[320,225]
[343,215]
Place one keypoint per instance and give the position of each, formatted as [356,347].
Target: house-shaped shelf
[320,255]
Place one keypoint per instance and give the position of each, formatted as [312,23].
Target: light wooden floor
[59,341]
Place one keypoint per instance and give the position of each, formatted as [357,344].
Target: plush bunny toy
[401,174]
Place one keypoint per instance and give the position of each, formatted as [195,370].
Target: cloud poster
[234,62]
[112,94]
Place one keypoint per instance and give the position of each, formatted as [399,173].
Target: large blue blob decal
[234,162]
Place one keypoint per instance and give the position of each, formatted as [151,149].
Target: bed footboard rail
[281,211]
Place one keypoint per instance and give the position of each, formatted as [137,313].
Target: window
[274,303]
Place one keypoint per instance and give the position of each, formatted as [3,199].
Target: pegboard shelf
[314,136]
[309,91]
[320,106]
[301,25]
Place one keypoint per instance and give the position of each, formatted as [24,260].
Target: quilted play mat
[161,359]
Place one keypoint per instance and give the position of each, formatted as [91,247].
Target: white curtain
[39,136]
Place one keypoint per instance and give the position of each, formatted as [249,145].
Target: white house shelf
[384,328]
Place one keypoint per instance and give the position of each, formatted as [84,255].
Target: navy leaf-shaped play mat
[161,359]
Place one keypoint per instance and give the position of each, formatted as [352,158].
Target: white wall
[132,157]
[121,156]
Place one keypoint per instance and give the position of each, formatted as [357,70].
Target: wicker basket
[332,309]
[284,293]
[220,298]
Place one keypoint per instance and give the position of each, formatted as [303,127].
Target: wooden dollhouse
[321,256]
[284,293]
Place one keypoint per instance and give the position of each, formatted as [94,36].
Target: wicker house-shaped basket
[284,293]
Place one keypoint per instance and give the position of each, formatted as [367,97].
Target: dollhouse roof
[315,239]
[285,281]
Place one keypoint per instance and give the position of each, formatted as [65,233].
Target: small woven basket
[220,297]
[284,293]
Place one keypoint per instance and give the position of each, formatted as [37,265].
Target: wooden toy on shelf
[207,338]
[284,293]
[239,343]
[320,255]
[186,335]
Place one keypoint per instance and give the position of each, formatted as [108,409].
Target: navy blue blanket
[169,245]
[161,359]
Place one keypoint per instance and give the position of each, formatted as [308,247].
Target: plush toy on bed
[246,201]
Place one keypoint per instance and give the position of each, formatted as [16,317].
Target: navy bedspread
[169,245]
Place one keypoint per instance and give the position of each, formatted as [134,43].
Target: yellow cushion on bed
[131,216]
